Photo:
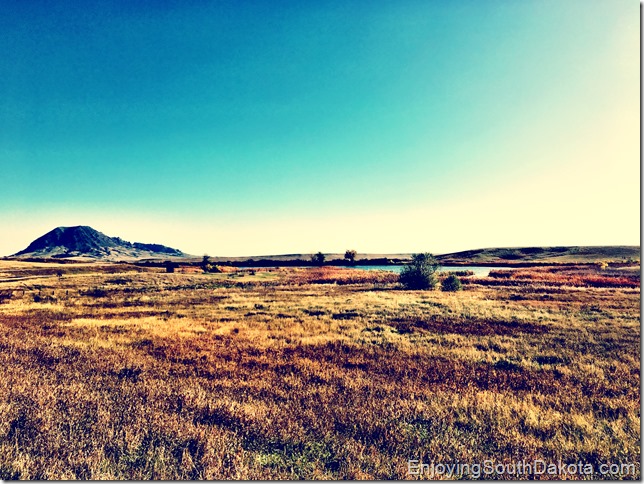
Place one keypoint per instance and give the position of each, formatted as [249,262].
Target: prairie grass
[311,374]
[570,276]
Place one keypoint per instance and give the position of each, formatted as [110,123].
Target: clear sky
[248,128]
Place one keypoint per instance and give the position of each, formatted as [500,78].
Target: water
[479,271]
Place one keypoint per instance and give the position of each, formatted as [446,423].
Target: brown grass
[310,373]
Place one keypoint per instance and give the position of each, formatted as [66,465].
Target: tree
[420,272]
[451,283]
[205,263]
[318,259]
[350,255]
[170,266]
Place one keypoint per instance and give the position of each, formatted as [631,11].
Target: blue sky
[238,128]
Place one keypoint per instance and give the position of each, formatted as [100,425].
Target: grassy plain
[113,372]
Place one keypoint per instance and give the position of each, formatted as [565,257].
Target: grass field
[115,372]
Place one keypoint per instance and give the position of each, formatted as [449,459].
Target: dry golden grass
[308,373]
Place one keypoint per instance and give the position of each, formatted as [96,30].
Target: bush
[451,284]
[420,272]
[94,292]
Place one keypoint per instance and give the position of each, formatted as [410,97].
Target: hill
[82,242]
[536,255]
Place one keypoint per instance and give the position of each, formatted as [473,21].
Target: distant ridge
[560,254]
[497,256]
[84,242]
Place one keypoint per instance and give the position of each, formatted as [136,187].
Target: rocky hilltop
[83,242]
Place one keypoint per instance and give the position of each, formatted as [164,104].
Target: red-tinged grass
[579,276]
[338,275]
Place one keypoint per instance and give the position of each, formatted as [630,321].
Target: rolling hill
[563,255]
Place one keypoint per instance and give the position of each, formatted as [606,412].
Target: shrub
[420,272]
[94,292]
[462,273]
[509,254]
[451,284]
[212,268]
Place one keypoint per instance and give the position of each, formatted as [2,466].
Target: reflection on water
[478,271]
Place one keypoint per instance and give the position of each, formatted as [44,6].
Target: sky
[274,127]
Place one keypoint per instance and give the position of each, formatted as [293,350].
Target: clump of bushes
[94,292]
[44,298]
[451,284]
[462,273]
[208,267]
[118,280]
[420,273]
